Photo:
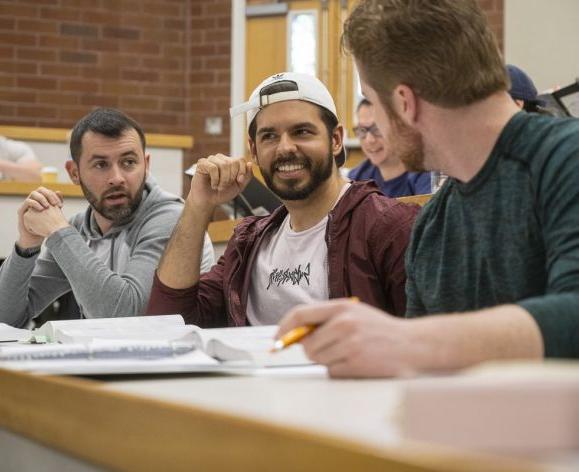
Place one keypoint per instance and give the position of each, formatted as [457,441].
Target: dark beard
[318,175]
[118,214]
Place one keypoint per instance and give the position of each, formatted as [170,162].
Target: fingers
[209,168]
[315,313]
[32,203]
[245,174]
[324,347]
[346,346]
[43,198]
[223,171]
[327,343]
[226,169]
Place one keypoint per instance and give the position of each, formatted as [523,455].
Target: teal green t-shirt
[509,235]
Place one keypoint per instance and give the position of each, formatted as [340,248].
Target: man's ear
[405,103]
[252,149]
[147,163]
[72,169]
[337,140]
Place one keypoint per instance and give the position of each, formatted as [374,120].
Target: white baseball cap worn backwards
[300,87]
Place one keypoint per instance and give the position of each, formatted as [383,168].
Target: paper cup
[49,175]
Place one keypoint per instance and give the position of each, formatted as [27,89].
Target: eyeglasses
[362,131]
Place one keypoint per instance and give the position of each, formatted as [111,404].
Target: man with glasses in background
[381,165]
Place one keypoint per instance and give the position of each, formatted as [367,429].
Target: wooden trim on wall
[24,188]
[170,141]
[60,135]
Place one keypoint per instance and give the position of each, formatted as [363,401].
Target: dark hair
[106,121]
[363,103]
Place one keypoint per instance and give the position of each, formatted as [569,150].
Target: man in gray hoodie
[104,258]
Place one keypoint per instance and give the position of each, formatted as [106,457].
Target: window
[303,41]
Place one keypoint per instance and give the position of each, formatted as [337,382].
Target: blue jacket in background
[409,183]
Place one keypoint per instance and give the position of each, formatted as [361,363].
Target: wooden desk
[282,423]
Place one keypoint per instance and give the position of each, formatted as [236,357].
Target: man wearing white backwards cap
[331,238]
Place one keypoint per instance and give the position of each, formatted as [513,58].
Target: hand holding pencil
[291,337]
[352,339]
[297,334]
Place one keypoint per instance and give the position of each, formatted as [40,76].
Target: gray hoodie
[106,276]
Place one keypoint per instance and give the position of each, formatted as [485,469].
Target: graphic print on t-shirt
[290,268]
[289,276]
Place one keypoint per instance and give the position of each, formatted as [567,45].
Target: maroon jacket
[367,235]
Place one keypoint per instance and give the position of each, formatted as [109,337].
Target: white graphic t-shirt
[290,268]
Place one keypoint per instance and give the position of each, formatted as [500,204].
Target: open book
[141,328]
[250,344]
[8,334]
[149,338]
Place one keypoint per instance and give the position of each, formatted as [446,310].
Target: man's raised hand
[219,179]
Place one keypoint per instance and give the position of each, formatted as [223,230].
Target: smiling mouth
[289,167]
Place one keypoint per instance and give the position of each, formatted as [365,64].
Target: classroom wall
[165,62]
[542,38]
[495,10]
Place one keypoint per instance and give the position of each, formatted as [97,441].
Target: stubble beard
[118,214]
[408,145]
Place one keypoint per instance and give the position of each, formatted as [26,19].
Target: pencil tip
[277,346]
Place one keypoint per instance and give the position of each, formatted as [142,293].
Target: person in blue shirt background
[380,165]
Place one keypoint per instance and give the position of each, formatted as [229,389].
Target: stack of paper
[143,344]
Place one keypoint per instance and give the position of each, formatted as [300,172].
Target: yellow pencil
[293,336]
[297,334]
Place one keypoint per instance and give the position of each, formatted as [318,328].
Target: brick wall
[495,12]
[59,58]
[165,62]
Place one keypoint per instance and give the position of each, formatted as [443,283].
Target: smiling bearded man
[331,238]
